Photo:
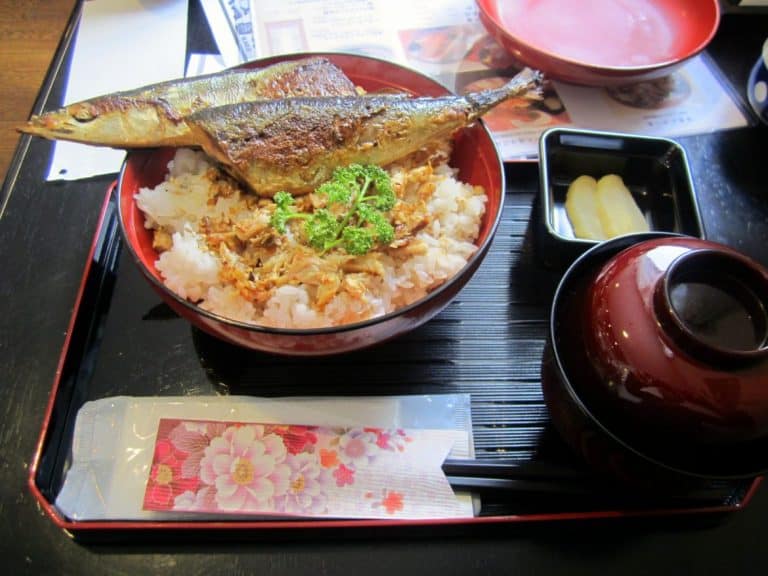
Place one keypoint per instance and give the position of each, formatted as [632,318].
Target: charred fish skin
[154,115]
[294,144]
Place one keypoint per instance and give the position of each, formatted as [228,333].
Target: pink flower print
[382,440]
[392,502]
[357,448]
[193,438]
[165,477]
[305,494]
[392,440]
[299,438]
[204,500]
[247,468]
[344,476]
[328,458]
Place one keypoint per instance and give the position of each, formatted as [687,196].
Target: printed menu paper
[445,39]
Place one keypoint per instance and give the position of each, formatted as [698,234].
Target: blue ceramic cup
[757,88]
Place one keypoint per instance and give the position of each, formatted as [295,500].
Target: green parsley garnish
[354,219]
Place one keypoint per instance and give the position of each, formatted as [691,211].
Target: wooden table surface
[30,30]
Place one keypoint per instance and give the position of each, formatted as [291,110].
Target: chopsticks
[510,469]
[538,477]
[504,477]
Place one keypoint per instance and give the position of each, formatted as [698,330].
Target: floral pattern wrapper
[213,467]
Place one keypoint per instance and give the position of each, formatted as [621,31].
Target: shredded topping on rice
[218,249]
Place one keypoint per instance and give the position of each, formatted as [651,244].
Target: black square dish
[654,169]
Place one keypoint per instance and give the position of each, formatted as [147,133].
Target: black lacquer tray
[124,341]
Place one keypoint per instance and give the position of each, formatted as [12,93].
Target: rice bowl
[403,293]
[214,258]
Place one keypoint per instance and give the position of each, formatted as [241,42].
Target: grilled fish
[294,144]
[154,115]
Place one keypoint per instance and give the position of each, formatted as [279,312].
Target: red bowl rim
[490,18]
[472,262]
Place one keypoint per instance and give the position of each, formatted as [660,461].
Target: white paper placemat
[120,45]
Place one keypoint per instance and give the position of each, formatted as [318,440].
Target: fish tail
[526,84]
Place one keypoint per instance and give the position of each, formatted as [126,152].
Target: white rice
[196,272]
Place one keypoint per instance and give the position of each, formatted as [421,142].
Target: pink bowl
[605,43]
[474,155]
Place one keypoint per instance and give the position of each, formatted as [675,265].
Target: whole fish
[294,144]
[154,115]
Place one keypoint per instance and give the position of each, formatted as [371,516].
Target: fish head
[67,120]
[107,121]
[74,122]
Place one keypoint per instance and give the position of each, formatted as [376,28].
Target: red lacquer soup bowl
[474,155]
[656,363]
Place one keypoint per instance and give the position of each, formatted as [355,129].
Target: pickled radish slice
[581,207]
[616,208]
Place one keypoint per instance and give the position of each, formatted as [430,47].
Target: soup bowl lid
[676,331]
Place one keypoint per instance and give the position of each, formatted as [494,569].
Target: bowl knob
[713,305]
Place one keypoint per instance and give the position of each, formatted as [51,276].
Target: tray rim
[127,526]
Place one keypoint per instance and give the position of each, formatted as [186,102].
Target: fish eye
[83,115]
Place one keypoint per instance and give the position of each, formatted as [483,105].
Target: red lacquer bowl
[657,359]
[676,331]
[605,42]
[474,155]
